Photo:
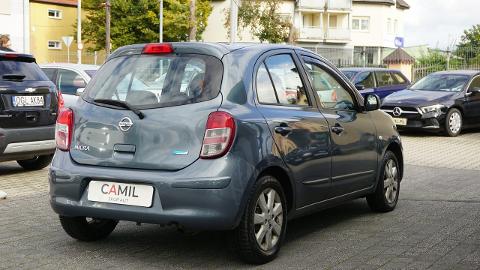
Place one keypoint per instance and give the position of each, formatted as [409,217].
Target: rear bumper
[207,195]
[25,143]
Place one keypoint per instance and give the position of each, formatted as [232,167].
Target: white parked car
[70,79]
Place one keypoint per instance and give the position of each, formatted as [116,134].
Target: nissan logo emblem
[397,111]
[125,124]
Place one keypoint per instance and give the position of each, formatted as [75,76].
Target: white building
[14,21]
[359,32]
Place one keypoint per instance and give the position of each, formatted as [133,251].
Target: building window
[54,13]
[361,24]
[395,27]
[333,22]
[54,45]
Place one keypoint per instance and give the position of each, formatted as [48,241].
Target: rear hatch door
[27,97]
[170,97]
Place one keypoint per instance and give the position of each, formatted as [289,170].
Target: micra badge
[82,147]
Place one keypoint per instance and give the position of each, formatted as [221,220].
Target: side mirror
[360,87]
[371,102]
[474,91]
[80,91]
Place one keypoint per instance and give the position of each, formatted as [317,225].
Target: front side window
[366,79]
[283,75]
[384,78]
[399,79]
[331,93]
[154,81]
[475,85]
[68,82]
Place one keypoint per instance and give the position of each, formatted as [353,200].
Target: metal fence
[91,58]
[459,59]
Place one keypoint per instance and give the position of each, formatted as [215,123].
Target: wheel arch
[396,148]
[283,177]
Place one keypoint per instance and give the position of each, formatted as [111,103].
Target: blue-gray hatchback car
[220,137]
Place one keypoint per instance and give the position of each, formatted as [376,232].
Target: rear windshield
[153,81]
[30,70]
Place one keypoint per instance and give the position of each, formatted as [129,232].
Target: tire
[453,123]
[87,230]
[244,236]
[385,199]
[36,163]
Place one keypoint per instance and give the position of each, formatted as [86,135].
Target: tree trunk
[193,21]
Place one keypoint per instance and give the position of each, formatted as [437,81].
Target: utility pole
[193,21]
[107,27]
[160,30]
[79,32]
[233,20]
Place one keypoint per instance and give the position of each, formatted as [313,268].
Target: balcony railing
[339,34]
[312,33]
[312,4]
[339,4]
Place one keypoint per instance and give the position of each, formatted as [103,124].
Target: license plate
[28,101]
[120,193]
[400,121]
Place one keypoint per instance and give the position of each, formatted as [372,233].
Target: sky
[439,23]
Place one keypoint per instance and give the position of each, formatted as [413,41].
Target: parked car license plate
[120,193]
[400,121]
[28,101]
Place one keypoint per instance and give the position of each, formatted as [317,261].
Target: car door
[472,102]
[299,130]
[385,83]
[353,134]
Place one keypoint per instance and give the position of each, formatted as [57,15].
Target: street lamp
[160,30]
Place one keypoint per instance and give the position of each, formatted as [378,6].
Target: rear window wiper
[122,104]
[13,77]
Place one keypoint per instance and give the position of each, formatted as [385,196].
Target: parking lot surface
[436,225]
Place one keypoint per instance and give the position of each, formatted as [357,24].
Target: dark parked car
[260,134]
[444,101]
[28,111]
[379,81]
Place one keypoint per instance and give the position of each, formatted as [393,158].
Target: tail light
[219,134]
[64,129]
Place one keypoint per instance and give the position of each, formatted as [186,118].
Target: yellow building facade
[50,21]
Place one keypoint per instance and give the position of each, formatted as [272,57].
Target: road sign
[67,40]
[399,42]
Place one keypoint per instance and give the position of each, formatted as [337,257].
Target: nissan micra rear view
[205,136]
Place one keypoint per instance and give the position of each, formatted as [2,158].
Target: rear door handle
[337,129]
[283,130]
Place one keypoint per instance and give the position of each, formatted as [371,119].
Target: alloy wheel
[390,182]
[268,219]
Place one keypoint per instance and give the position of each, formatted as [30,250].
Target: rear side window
[279,73]
[69,82]
[153,81]
[399,78]
[50,72]
[366,79]
[384,78]
[29,69]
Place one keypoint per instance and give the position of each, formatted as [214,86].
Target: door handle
[337,129]
[283,130]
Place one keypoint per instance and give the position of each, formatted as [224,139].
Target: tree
[136,21]
[263,20]
[469,47]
